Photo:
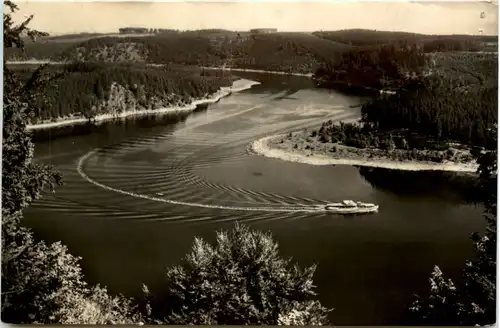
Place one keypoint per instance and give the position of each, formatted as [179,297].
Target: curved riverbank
[249,70]
[264,147]
[238,85]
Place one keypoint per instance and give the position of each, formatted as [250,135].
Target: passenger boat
[351,207]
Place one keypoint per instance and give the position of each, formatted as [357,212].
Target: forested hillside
[439,110]
[391,66]
[282,51]
[437,101]
[90,89]
[429,43]
[290,52]
[384,66]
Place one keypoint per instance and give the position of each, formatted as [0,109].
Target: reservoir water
[109,213]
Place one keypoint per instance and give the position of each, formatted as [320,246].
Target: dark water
[368,266]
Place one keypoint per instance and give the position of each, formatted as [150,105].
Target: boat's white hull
[352,210]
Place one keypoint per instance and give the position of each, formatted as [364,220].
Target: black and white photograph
[329,163]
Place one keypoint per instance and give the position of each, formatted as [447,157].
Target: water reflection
[112,126]
[459,187]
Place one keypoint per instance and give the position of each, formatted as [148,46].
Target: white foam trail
[84,158]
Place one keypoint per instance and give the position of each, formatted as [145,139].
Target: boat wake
[81,172]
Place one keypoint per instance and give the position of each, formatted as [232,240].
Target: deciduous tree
[240,280]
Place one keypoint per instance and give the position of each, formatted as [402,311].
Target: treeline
[429,114]
[40,50]
[471,69]
[438,109]
[144,30]
[387,66]
[429,43]
[393,66]
[291,52]
[89,89]
[398,144]
[283,51]
[439,97]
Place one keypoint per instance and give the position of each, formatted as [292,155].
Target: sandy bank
[258,71]
[33,62]
[264,147]
[238,85]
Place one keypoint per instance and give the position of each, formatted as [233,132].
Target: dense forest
[290,52]
[440,110]
[90,89]
[437,99]
[429,114]
[282,51]
[386,66]
[393,66]
[430,43]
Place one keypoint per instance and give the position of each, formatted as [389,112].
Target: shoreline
[237,86]
[249,70]
[261,147]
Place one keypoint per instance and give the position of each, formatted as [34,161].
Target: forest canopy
[74,89]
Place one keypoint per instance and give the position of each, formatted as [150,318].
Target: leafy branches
[41,283]
[15,32]
[240,280]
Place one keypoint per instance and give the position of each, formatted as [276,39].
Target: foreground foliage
[41,283]
[241,280]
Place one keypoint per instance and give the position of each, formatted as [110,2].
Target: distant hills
[362,37]
[264,49]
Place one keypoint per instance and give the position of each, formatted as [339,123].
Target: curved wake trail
[83,159]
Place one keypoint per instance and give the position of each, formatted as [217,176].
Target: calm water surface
[368,266]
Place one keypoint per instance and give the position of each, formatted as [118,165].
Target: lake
[368,265]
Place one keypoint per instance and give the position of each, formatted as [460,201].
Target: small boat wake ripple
[83,159]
